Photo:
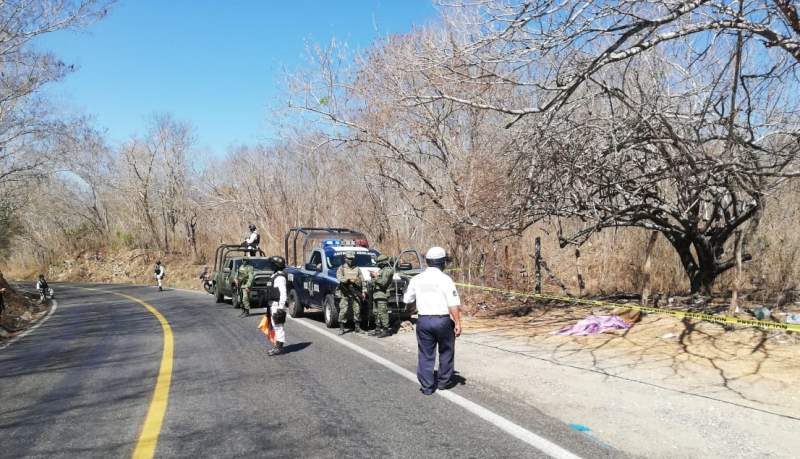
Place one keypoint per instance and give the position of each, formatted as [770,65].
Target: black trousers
[435,333]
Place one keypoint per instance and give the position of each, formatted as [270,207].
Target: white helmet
[436,257]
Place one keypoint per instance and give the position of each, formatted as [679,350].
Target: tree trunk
[700,267]
[648,261]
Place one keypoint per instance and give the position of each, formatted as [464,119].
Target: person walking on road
[438,322]
[277,307]
[160,272]
[244,281]
[253,240]
[42,288]
[350,288]
[380,296]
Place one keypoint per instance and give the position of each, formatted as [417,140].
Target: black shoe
[448,385]
[375,332]
[160,289]
[341,330]
[358,330]
[385,333]
[277,350]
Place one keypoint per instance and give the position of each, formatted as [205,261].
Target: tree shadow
[744,366]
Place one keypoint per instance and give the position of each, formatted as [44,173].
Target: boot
[358,329]
[341,328]
[385,332]
[374,332]
[277,350]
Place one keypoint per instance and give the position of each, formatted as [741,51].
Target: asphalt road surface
[84,384]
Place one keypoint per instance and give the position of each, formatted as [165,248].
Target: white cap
[435,253]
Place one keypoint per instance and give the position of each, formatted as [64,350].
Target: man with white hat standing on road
[438,322]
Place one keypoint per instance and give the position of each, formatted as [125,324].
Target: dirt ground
[741,364]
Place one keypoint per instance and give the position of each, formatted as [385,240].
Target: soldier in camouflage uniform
[244,278]
[380,296]
[350,287]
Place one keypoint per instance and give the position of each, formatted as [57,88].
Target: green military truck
[227,261]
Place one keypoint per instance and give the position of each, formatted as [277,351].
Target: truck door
[316,278]
[226,276]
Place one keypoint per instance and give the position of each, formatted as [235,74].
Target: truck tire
[294,305]
[218,296]
[331,311]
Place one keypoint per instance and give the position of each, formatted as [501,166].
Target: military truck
[312,285]
[227,261]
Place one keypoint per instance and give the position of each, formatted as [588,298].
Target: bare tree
[678,117]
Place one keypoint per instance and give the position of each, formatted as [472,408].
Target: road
[83,385]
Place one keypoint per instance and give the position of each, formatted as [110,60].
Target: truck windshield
[262,264]
[363,260]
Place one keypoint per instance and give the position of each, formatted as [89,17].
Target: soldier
[350,287]
[380,296]
[244,279]
[252,241]
[159,274]
[277,306]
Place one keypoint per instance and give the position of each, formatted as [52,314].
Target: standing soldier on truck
[350,287]
[252,241]
[380,296]
[244,279]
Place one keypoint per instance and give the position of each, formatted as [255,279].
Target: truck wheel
[331,312]
[295,308]
[218,296]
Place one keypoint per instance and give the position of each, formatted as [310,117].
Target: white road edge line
[30,330]
[511,428]
[515,430]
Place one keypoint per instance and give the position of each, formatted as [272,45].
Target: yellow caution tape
[638,307]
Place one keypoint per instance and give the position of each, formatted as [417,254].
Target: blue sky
[218,64]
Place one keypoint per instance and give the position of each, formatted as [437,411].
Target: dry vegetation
[500,122]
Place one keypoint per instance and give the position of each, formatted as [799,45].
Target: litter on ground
[593,325]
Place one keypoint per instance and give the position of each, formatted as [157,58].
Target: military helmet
[252,227]
[279,262]
[382,259]
[349,256]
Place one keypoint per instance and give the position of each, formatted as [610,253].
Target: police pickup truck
[312,285]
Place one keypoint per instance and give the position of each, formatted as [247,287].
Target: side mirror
[312,267]
[404,266]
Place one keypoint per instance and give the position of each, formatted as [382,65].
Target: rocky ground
[21,310]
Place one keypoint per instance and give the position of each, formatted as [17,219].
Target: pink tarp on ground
[593,325]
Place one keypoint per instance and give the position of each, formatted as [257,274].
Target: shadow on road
[295,347]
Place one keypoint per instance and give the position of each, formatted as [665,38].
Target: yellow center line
[148,438]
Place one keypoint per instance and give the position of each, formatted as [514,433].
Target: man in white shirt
[438,322]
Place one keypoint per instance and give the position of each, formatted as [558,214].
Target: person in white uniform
[438,322]
[159,274]
[277,307]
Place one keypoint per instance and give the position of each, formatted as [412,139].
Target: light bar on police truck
[345,243]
